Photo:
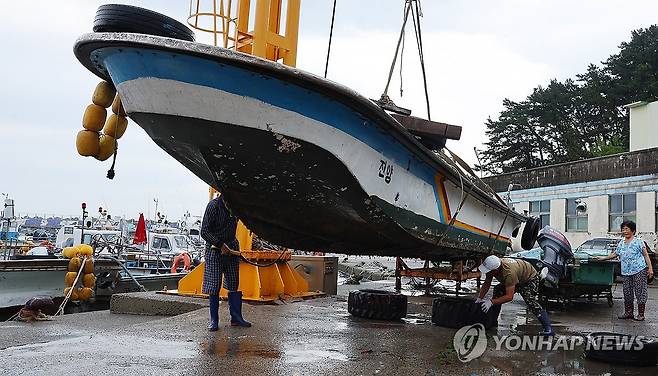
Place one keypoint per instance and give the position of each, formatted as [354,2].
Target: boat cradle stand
[458,271]
[264,284]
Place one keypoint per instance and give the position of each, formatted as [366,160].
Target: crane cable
[331,33]
[407,8]
[419,41]
[413,7]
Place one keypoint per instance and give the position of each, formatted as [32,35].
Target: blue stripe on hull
[132,63]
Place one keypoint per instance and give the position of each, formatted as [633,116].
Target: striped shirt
[218,224]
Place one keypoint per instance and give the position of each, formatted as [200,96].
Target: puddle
[238,349]
[108,345]
[305,356]
[417,319]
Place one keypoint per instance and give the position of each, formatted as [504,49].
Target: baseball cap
[490,263]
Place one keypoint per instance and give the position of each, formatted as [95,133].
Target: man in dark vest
[218,230]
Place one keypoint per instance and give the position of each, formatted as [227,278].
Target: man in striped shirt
[218,230]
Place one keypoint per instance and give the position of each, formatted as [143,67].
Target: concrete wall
[558,210]
[646,218]
[618,166]
[644,125]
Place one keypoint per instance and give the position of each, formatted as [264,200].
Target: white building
[590,198]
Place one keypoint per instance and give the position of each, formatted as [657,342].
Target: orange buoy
[74,294]
[85,250]
[70,252]
[87,143]
[85,293]
[94,117]
[69,278]
[74,264]
[106,147]
[117,106]
[88,280]
[89,266]
[104,94]
[115,126]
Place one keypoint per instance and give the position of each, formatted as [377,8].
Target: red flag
[140,231]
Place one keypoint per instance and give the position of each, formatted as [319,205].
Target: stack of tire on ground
[377,304]
[80,257]
[456,312]
[622,349]
[448,311]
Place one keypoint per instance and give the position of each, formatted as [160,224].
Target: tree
[575,119]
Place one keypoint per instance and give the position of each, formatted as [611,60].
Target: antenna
[477,155]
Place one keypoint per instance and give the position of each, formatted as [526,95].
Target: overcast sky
[476,52]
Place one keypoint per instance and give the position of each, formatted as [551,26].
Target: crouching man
[514,276]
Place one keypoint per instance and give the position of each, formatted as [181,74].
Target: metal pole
[426,266]
[84,218]
[398,278]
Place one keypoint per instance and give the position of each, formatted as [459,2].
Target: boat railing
[9,248]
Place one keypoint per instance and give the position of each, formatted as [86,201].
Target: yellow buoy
[104,94]
[89,266]
[115,126]
[88,280]
[94,118]
[117,106]
[87,143]
[85,293]
[85,250]
[70,252]
[106,147]
[70,278]
[74,294]
[74,264]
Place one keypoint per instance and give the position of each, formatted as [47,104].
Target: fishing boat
[303,161]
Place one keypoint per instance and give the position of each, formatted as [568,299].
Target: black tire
[618,353]
[130,19]
[530,232]
[377,304]
[456,312]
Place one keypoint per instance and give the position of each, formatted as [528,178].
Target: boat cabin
[69,236]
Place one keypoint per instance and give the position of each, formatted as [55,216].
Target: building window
[656,202]
[576,220]
[622,208]
[542,210]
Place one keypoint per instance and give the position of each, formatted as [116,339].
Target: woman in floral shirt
[635,268]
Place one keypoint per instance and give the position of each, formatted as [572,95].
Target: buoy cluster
[90,142]
[80,257]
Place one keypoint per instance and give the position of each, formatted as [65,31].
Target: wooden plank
[426,128]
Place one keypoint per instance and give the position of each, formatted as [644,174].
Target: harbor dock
[310,337]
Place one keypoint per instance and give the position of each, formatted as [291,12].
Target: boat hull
[21,280]
[302,167]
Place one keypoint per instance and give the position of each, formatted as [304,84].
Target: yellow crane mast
[229,23]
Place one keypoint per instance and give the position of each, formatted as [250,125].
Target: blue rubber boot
[235,308]
[545,323]
[214,313]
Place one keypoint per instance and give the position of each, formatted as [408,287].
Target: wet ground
[302,338]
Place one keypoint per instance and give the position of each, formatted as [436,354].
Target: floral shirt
[631,257]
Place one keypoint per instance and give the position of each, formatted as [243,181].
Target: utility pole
[156,205]
[84,219]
